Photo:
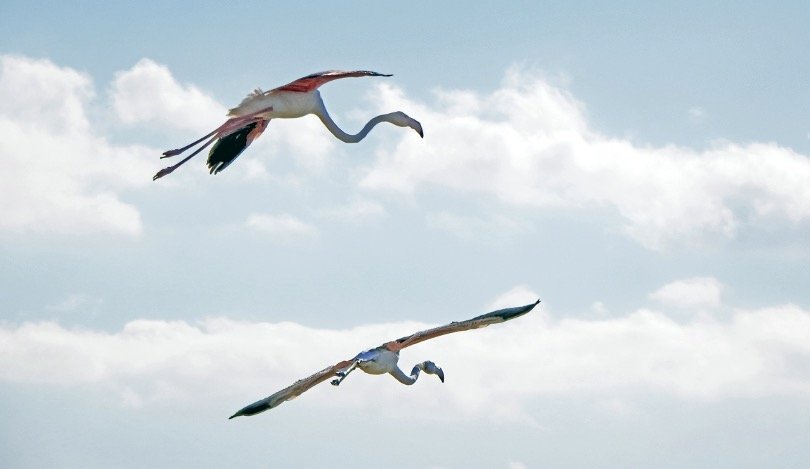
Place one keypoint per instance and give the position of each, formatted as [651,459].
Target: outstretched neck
[346,137]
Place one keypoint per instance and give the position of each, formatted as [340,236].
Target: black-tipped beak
[440,374]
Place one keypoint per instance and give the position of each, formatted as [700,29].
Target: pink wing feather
[312,82]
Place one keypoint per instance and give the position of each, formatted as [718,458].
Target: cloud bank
[490,372]
[529,144]
[526,144]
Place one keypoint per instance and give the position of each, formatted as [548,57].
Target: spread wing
[312,82]
[477,322]
[292,391]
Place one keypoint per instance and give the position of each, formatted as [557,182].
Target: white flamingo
[383,359]
[297,99]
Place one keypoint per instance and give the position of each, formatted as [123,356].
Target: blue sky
[642,169]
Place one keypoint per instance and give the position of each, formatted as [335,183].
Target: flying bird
[297,99]
[383,359]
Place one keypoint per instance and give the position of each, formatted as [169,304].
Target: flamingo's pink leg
[169,169]
[230,126]
[167,154]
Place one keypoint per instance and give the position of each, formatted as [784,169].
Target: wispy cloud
[697,292]
[696,113]
[281,224]
[473,227]
[76,302]
[355,210]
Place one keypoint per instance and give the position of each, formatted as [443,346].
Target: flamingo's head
[430,368]
[403,120]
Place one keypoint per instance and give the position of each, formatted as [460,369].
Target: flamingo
[383,359]
[296,99]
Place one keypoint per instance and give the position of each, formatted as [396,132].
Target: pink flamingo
[249,119]
[383,359]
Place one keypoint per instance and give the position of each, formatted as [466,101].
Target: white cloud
[282,224]
[697,113]
[306,140]
[59,175]
[599,308]
[528,143]
[76,302]
[697,292]
[149,93]
[356,209]
[471,227]
[491,373]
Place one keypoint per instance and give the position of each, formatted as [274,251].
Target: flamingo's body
[249,119]
[383,359]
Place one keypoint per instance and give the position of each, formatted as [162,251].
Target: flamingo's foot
[170,153]
[163,172]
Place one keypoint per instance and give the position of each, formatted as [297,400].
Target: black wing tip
[252,409]
[228,148]
[376,74]
[510,313]
[344,72]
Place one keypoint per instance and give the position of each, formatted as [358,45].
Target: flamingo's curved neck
[403,378]
[339,133]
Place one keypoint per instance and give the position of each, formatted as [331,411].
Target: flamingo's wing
[227,148]
[292,391]
[312,82]
[477,322]
[308,83]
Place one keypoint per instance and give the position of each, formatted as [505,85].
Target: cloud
[697,114]
[491,373]
[148,93]
[525,144]
[529,143]
[356,209]
[471,227]
[282,224]
[77,302]
[698,292]
[62,176]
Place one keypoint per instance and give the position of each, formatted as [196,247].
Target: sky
[644,170]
